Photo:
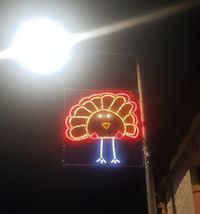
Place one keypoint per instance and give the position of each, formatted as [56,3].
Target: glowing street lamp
[42,45]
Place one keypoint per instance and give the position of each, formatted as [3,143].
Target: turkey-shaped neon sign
[105,115]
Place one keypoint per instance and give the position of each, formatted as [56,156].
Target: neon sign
[105,115]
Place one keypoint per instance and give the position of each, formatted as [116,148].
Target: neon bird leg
[114,160]
[101,159]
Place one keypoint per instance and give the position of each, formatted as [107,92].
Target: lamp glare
[42,45]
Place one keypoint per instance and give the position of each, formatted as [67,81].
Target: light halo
[42,45]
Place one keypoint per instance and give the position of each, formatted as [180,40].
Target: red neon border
[130,97]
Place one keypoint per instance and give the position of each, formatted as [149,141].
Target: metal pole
[148,168]
[63,153]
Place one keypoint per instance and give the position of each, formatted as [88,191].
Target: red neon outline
[129,97]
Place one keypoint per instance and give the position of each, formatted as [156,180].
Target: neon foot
[115,161]
[101,160]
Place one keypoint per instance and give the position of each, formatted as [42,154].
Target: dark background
[31,106]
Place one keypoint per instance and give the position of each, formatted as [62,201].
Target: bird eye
[108,115]
[100,116]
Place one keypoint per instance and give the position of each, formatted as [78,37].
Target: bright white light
[108,115]
[114,160]
[101,159]
[100,115]
[42,45]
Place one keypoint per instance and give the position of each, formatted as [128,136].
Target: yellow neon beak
[106,125]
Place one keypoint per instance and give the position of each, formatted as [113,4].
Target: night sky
[33,179]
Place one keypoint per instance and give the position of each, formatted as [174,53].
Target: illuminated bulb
[100,115]
[42,45]
[108,115]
